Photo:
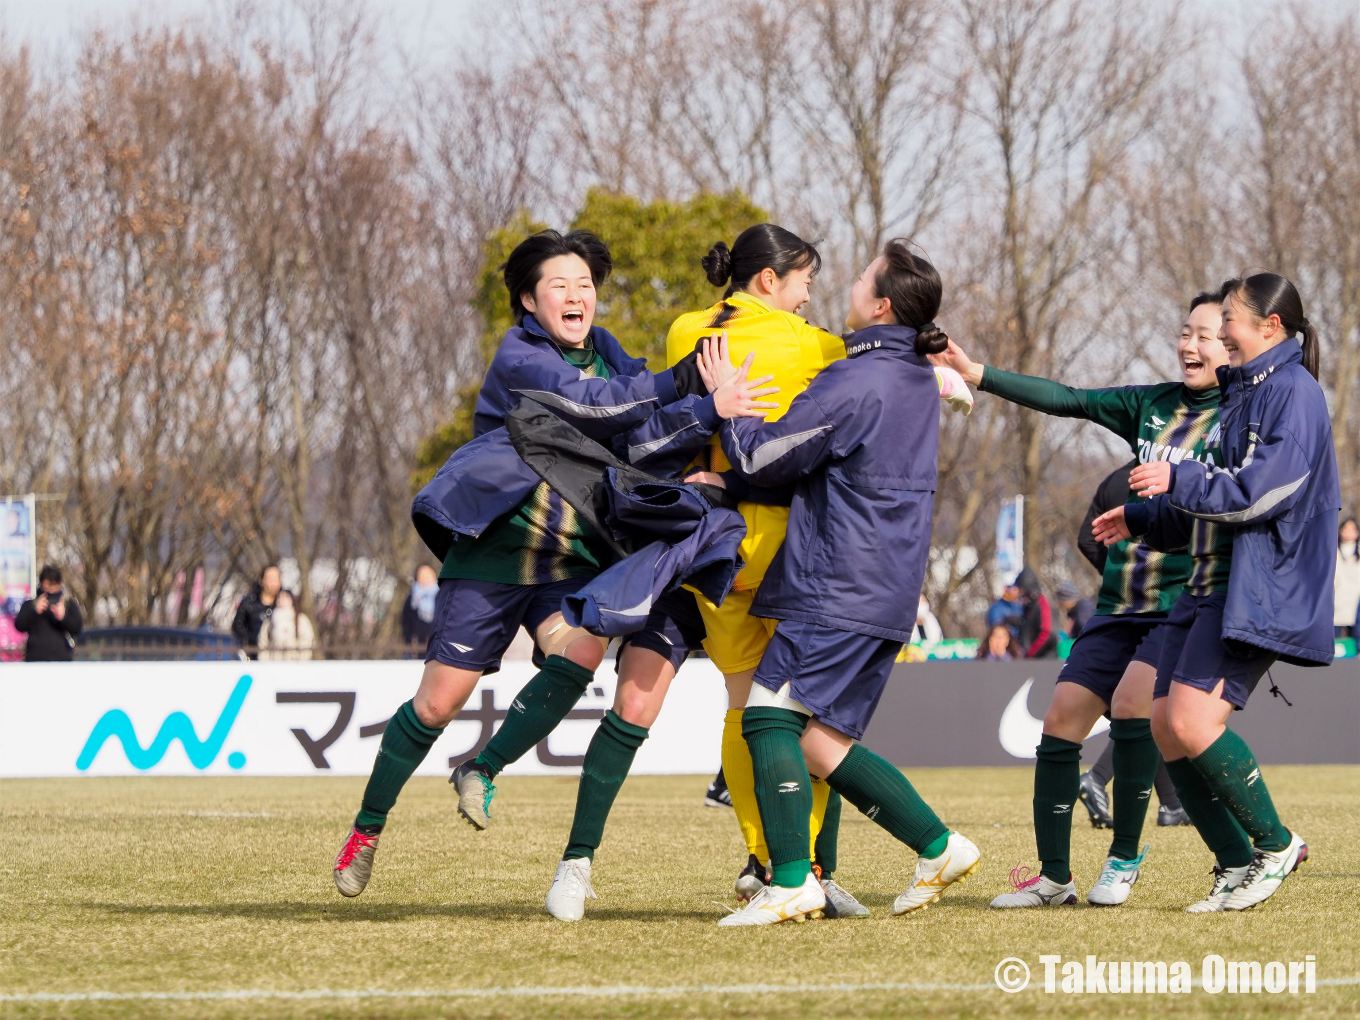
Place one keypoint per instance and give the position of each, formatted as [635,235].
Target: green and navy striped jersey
[1168,421]
[544,539]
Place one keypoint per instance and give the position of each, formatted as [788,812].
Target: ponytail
[1268,294]
[1312,349]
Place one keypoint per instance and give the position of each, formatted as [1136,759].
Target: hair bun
[931,339]
[718,264]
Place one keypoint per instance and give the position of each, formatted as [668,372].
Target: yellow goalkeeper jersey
[788,348]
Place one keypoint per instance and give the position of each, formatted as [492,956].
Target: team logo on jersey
[1156,422]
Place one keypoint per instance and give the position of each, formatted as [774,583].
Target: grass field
[221,889]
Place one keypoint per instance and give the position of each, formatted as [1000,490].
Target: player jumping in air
[1113,664]
[1278,495]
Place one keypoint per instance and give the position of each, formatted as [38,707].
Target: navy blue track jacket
[637,413]
[1279,490]
[861,445]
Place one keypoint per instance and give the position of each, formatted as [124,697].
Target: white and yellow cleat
[959,860]
[774,904]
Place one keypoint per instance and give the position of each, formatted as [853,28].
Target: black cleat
[1172,816]
[752,879]
[1097,802]
[717,795]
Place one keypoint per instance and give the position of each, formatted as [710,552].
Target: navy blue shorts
[1193,652]
[1105,648]
[673,629]
[837,675]
[475,621]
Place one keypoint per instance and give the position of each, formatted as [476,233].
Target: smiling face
[563,300]
[1200,350]
[790,292]
[866,307]
[1246,337]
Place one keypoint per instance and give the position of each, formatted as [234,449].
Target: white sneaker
[959,860]
[570,888]
[1225,881]
[775,903]
[1266,873]
[839,902]
[1116,880]
[1035,892]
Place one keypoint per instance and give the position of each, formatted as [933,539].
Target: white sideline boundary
[578,991]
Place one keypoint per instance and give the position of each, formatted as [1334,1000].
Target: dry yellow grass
[222,886]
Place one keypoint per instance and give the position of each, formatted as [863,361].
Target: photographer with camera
[51,621]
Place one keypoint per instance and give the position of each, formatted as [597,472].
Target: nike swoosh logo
[1019,732]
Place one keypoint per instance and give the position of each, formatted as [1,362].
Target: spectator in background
[287,633]
[1347,584]
[927,630]
[1000,645]
[417,614]
[1007,609]
[1036,635]
[256,608]
[1079,610]
[51,621]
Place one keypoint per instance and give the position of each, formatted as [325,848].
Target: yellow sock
[821,793]
[741,784]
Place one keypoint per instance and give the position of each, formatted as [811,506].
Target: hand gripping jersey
[1168,421]
[786,347]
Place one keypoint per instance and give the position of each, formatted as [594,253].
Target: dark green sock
[405,742]
[825,849]
[1135,767]
[537,709]
[1232,773]
[1057,780]
[878,788]
[608,759]
[783,789]
[1212,819]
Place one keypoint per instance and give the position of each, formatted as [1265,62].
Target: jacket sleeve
[26,616]
[1096,554]
[1267,484]
[671,437]
[1159,525]
[73,623]
[240,624]
[1045,628]
[601,408]
[771,454]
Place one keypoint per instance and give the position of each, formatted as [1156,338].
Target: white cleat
[1266,873]
[1035,892]
[1116,880]
[959,860]
[839,902]
[354,864]
[774,904]
[1225,881]
[570,889]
